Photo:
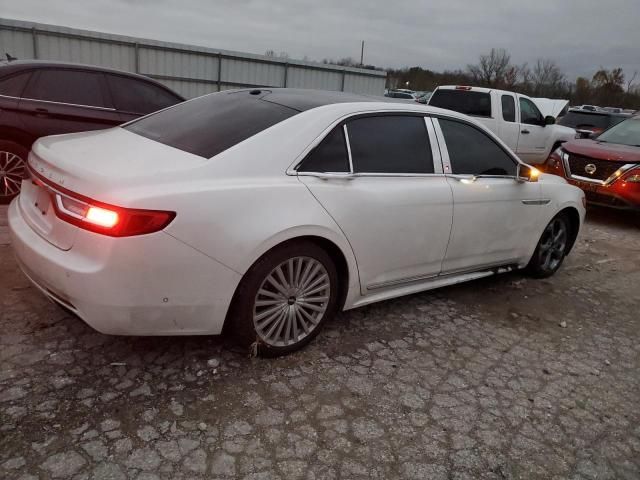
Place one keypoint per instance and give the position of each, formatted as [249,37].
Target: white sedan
[264,212]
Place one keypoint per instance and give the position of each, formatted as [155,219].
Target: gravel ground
[502,378]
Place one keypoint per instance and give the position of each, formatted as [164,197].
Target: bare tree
[546,77]
[630,82]
[492,68]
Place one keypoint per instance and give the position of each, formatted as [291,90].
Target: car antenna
[10,58]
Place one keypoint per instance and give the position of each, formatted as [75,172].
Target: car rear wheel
[551,248]
[13,161]
[284,299]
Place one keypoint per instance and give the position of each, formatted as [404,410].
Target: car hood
[603,151]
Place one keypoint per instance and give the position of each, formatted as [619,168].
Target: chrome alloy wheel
[291,301]
[553,244]
[11,173]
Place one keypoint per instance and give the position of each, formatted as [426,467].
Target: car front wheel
[551,248]
[284,299]
[13,158]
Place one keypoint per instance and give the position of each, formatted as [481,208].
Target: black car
[40,98]
[591,122]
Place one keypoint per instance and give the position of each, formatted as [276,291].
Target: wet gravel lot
[502,378]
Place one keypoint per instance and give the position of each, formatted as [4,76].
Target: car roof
[302,99]
[18,65]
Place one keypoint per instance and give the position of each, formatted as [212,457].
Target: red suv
[606,167]
[40,98]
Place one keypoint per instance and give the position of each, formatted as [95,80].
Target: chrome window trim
[442,145]
[348,144]
[67,104]
[436,156]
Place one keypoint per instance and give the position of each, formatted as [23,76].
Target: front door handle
[525,132]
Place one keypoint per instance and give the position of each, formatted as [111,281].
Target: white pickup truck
[513,117]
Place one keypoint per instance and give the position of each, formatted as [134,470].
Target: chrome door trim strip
[418,278]
[433,143]
[346,140]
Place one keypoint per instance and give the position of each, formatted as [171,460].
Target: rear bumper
[146,285]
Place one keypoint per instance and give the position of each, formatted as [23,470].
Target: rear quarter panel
[236,222]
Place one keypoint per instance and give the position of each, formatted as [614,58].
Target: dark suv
[47,98]
[591,122]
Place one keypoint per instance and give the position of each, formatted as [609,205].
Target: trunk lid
[100,165]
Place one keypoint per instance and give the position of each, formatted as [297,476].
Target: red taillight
[103,218]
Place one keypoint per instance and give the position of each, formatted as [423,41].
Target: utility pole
[362,54]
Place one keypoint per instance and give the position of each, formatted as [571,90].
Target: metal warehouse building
[187,69]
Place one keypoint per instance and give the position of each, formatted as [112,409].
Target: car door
[380,178]
[64,101]
[532,140]
[494,215]
[134,97]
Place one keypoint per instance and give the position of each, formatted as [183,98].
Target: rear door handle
[525,132]
[41,112]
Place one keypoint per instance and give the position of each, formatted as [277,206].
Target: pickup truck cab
[513,117]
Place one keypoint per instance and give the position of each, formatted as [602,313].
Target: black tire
[552,247]
[13,162]
[240,321]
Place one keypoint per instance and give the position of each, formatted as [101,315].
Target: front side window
[137,96]
[529,113]
[390,144]
[330,155]
[13,85]
[67,86]
[473,152]
[508,108]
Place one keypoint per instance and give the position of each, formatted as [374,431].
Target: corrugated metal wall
[187,69]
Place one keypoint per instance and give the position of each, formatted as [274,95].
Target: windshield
[625,133]
[213,123]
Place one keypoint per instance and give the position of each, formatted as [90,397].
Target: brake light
[463,87]
[103,218]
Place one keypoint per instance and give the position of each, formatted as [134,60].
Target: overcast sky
[581,35]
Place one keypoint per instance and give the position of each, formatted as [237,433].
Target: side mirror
[527,173]
[549,120]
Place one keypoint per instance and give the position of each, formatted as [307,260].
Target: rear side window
[463,101]
[13,85]
[211,124]
[68,86]
[390,144]
[508,108]
[473,152]
[137,96]
[329,156]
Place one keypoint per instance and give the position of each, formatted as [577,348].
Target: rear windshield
[586,120]
[463,101]
[211,124]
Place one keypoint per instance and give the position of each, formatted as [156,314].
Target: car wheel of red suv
[13,161]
